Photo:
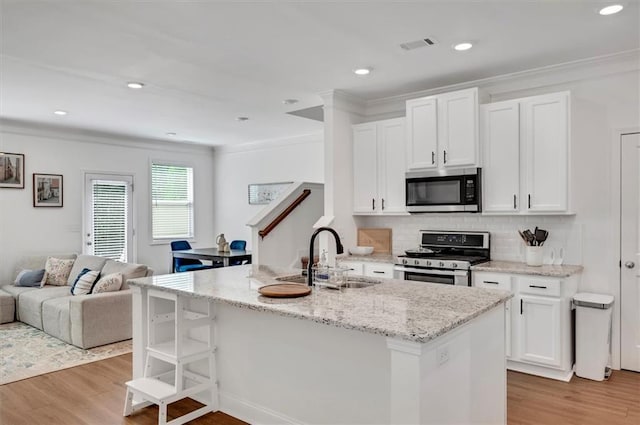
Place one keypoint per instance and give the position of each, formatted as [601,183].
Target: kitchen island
[394,352]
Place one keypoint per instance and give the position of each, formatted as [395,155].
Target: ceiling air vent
[425,42]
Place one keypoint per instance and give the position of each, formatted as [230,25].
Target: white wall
[25,230]
[296,159]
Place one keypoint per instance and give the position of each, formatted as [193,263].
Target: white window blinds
[171,201]
[110,219]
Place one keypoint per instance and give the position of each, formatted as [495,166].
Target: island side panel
[459,377]
[275,369]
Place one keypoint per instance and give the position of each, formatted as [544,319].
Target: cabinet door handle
[373,204]
[382,204]
[445,156]
[515,206]
[433,157]
[491,282]
[529,201]
[378,272]
[537,286]
[520,305]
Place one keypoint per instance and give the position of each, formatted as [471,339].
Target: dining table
[211,254]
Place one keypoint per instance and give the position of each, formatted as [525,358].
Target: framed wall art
[266,192]
[11,170]
[47,190]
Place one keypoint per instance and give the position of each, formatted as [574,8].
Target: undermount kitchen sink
[351,282]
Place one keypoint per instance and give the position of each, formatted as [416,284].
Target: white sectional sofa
[82,320]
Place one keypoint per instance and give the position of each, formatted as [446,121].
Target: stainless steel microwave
[444,191]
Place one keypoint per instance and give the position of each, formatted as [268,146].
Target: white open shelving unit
[179,337]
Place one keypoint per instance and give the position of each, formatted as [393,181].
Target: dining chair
[186,264]
[239,245]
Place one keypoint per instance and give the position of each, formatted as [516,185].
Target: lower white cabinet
[368,268]
[539,322]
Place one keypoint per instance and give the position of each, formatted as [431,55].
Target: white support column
[341,111]
[405,381]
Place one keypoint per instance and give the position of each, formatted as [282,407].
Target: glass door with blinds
[108,227]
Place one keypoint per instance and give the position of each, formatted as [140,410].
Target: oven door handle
[431,271]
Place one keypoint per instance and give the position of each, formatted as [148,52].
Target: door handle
[629,264]
[433,157]
[382,204]
[520,305]
[445,156]
[529,201]
[515,207]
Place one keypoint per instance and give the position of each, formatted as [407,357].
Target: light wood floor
[93,394]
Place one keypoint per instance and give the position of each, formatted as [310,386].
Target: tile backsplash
[564,232]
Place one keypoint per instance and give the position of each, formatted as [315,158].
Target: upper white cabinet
[379,167]
[442,130]
[525,155]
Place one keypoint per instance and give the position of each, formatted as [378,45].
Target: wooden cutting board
[285,290]
[378,238]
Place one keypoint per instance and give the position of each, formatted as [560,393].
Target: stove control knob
[454,265]
[441,264]
[416,262]
[428,263]
[405,261]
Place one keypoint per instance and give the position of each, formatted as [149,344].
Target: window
[171,201]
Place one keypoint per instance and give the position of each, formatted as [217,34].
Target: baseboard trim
[545,372]
[251,412]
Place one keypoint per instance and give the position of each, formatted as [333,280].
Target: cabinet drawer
[382,270]
[356,267]
[539,286]
[492,280]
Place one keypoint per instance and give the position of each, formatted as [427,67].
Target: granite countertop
[373,258]
[413,311]
[564,270]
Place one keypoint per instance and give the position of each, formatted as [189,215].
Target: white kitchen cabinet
[442,131]
[539,324]
[499,281]
[539,332]
[381,270]
[379,167]
[355,268]
[525,155]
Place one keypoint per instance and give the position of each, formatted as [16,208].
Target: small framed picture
[47,190]
[12,170]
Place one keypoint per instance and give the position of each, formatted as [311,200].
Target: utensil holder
[533,255]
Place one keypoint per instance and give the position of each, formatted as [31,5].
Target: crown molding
[343,101]
[317,137]
[33,129]
[582,69]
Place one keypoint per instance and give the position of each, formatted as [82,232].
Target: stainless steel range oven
[444,257]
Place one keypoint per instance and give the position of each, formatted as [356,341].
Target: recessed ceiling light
[60,112]
[290,101]
[135,85]
[362,71]
[242,119]
[463,46]
[610,10]
[171,133]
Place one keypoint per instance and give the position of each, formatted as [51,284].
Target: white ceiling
[205,63]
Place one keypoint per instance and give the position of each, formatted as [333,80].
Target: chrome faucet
[339,250]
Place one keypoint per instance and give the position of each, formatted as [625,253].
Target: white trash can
[593,334]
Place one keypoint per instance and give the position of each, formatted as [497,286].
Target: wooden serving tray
[378,238]
[285,290]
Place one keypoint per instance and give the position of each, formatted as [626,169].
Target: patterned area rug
[26,352]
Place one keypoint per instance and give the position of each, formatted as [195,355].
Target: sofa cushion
[7,307]
[91,262]
[109,283]
[29,278]
[35,262]
[30,303]
[84,282]
[128,271]
[55,318]
[56,271]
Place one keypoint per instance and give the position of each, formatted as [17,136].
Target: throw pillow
[84,282]
[109,283]
[56,271]
[29,278]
